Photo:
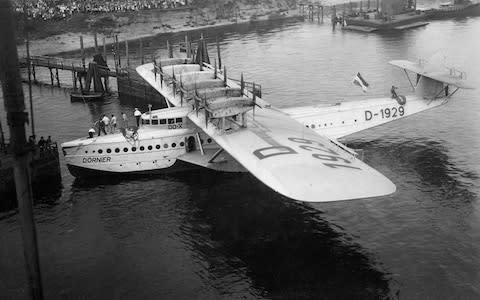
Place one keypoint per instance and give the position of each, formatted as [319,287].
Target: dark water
[207,235]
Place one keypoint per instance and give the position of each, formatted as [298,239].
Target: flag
[358,80]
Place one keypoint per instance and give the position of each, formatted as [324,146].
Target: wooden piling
[51,75]
[96,42]
[74,78]
[218,54]
[57,77]
[322,13]
[34,74]
[126,53]
[82,51]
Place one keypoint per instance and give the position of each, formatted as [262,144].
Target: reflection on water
[289,251]
[209,235]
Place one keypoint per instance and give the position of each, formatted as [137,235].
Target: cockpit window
[171,121]
[145,121]
[178,120]
[163,121]
[154,122]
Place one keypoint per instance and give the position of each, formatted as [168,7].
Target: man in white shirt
[113,124]
[137,115]
[106,121]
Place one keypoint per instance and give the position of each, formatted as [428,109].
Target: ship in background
[457,8]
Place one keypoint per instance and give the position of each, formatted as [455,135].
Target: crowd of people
[61,9]
[109,125]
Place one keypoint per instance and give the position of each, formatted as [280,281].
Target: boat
[86,96]
[459,8]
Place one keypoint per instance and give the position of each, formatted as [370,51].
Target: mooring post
[56,75]
[33,73]
[74,78]
[82,51]
[218,54]
[126,53]
[14,103]
[95,40]
[51,75]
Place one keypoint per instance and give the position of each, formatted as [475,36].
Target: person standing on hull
[113,124]
[137,115]
[106,121]
[101,127]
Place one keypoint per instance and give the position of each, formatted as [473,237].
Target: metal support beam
[199,141]
[211,160]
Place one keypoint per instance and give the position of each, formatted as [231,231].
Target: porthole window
[142,148]
[86,151]
[209,141]
[150,147]
[306,126]
[109,150]
[93,151]
[313,125]
[117,150]
[325,124]
[157,146]
[182,144]
[355,120]
[165,145]
[174,145]
[125,149]
[134,149]
[100,151]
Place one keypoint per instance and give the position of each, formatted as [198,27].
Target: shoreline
[149,24]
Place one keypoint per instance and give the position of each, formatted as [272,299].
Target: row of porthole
[325,125]
[133,149]
[142,148]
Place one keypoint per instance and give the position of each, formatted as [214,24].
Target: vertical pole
[33,73]
[187,48]
[126,53]
[104,49]
[51,76]
[30,84]
[218,54]
[56,75]
[322,13]
[82,51]
[96,42]
[117,45]
[16,118]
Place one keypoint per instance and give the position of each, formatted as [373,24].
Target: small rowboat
[86,96]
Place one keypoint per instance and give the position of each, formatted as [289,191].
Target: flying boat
[214,122]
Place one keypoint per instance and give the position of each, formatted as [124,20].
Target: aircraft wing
[292,160]
[345,118]
[454,78]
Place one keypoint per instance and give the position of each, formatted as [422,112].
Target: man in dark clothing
[41,143]
[101,127]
